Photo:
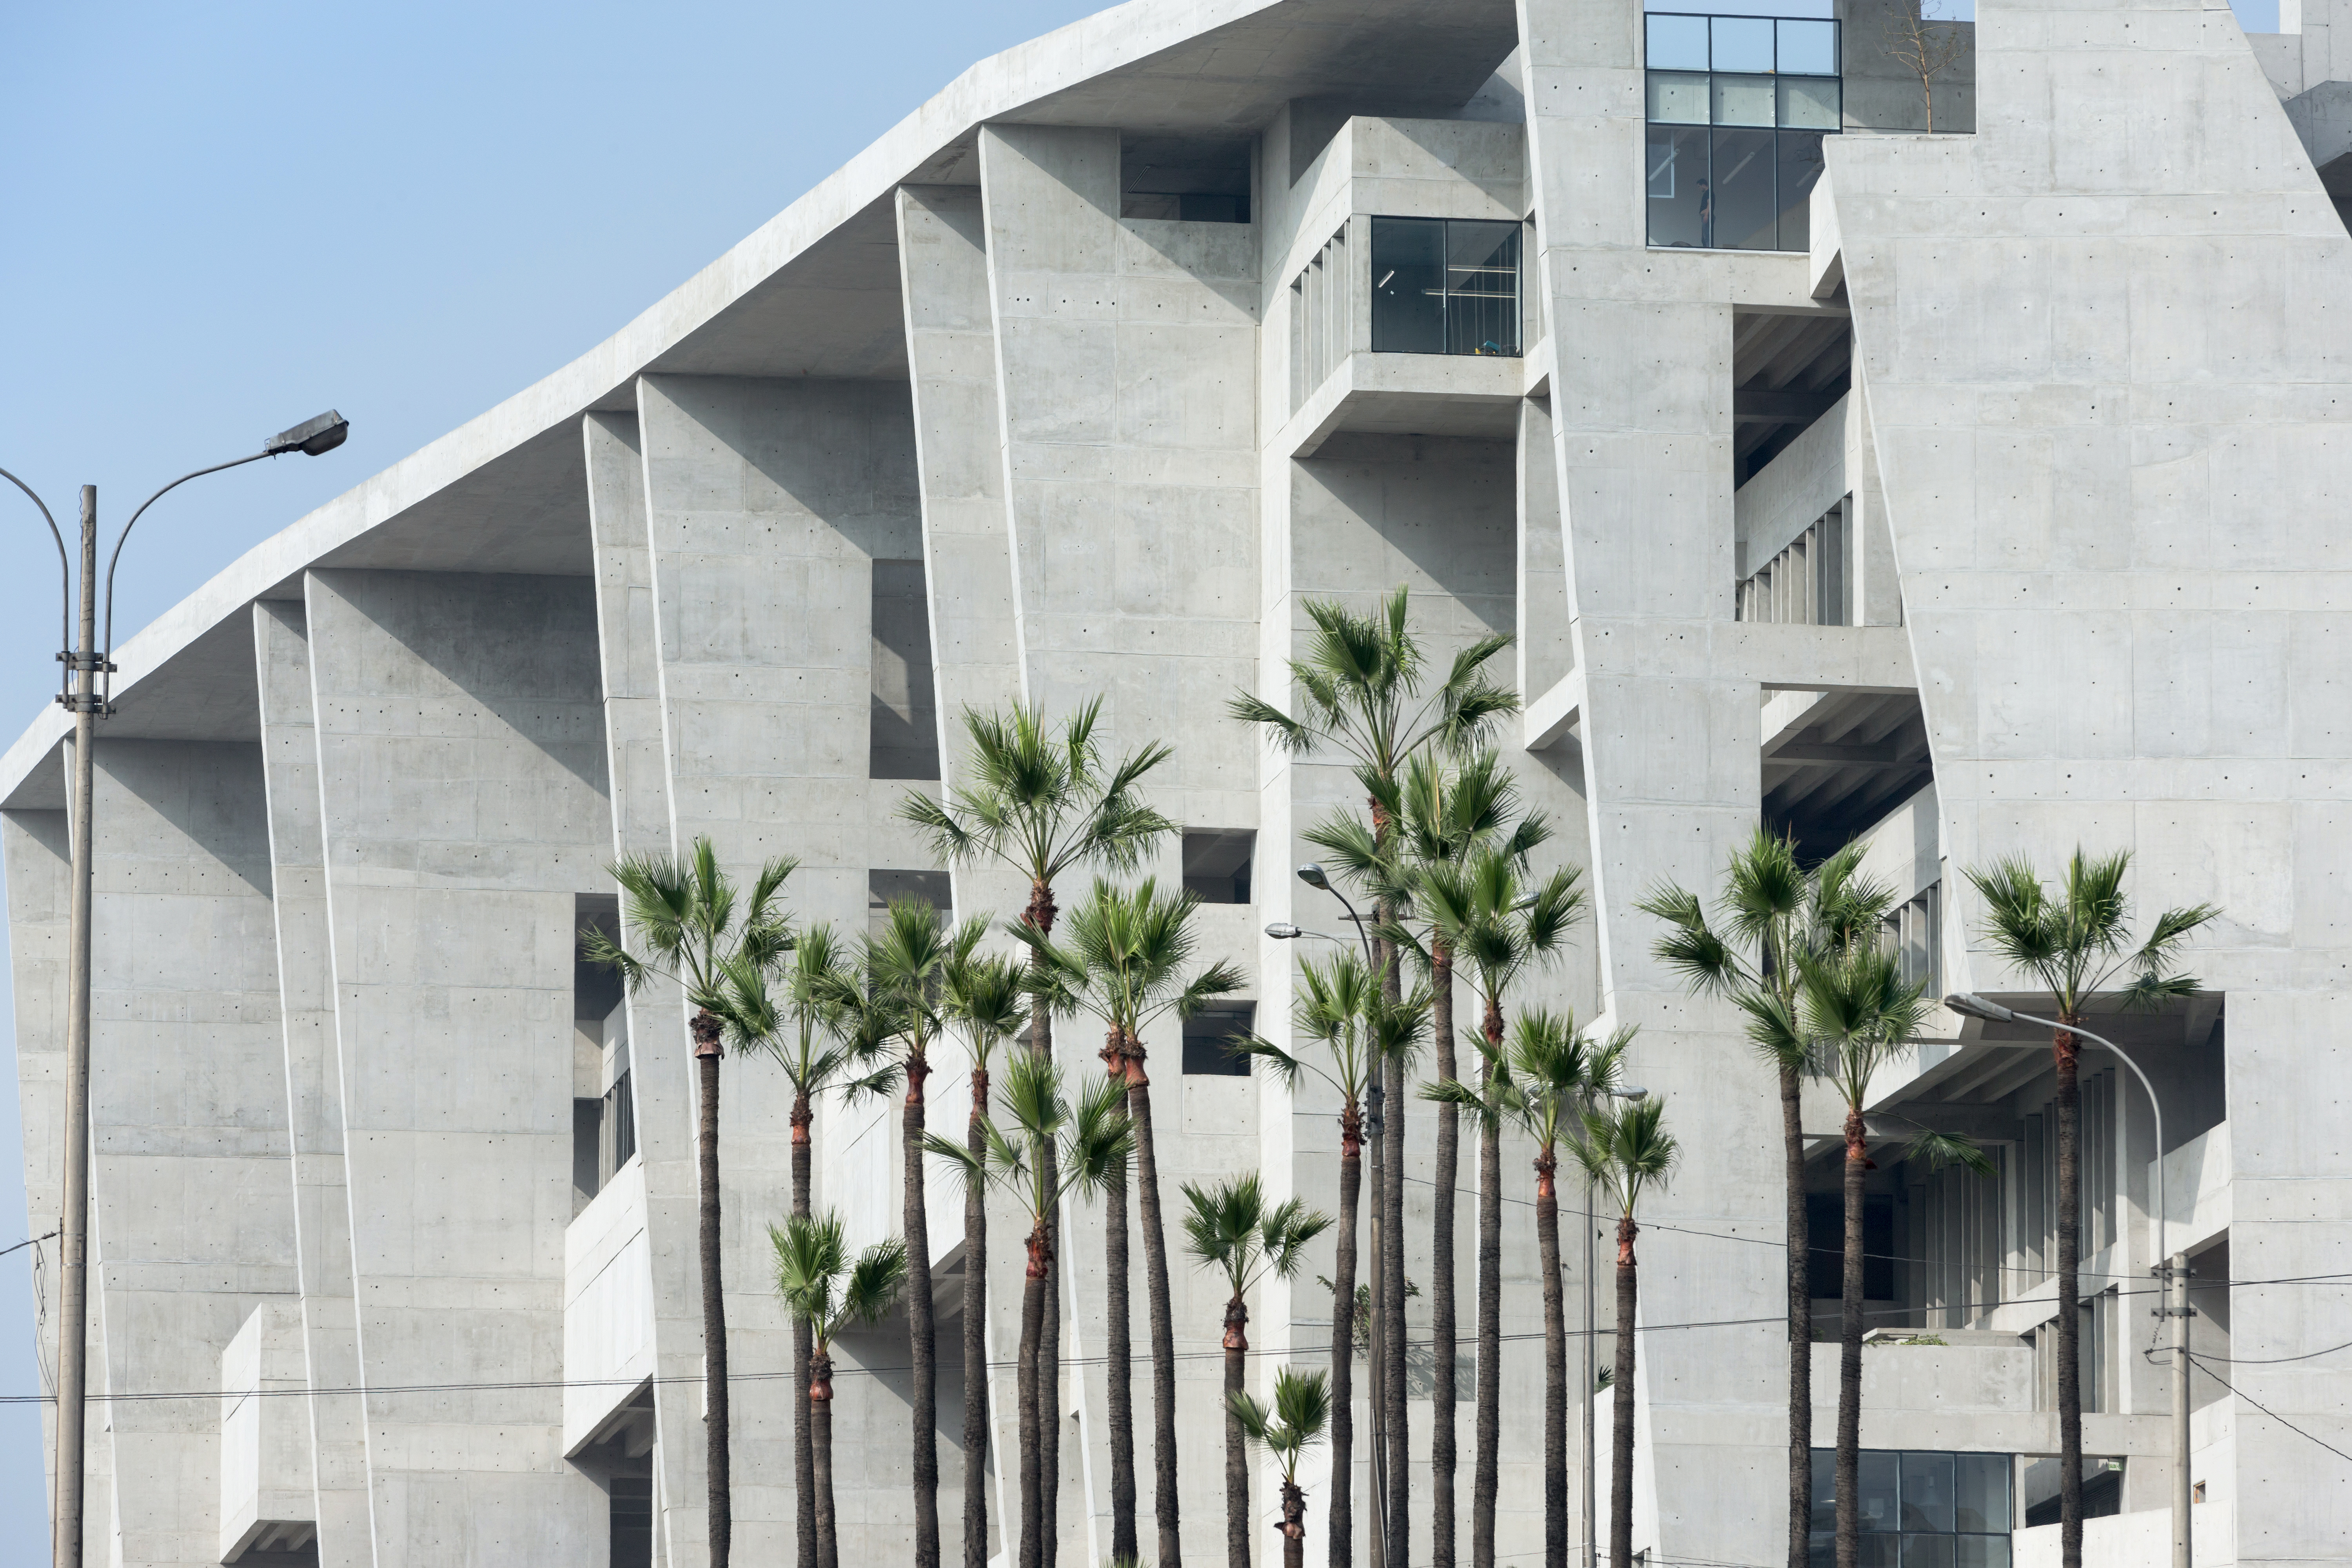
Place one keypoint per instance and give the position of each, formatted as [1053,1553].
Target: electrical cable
[28,1241]
[2200,1363]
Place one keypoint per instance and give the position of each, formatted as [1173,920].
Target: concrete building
[1972,491]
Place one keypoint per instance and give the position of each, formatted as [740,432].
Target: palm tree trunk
[2065,1048]
[1441,1268]
[803,1449]
[1343,1340]
[1486,1466]
[1621,1403]
[1555,1416]
[1119,1348]
[820,1425]
[921,1333]
[975,1334]
[1850,1287]
[1164,1502]
[1237,1552]
[1294,1525]
[1039,913]
[1035,1288]
[1801,1326]
[719,1495]
[1392,1335]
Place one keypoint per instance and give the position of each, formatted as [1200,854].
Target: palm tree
[686,915]
[827,1293]
[1500,927]
[1773,914]
[906,964]
[1626,1151]
[821,1039]
[1302,1406]
[1040,802]
[1127,960]
[1341,1008]
[1362,684]
[984,997]
[1233,1229]
[1546,1084]
[2077,945]
[1050,1150]
[1857,1004]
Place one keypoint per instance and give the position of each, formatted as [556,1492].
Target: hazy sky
[225,218]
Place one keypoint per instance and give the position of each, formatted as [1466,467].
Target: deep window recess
[1914,934]
[1737,108]
[603,1115]
[1918,1506]
[1445,286]
[1825,1269]
[902,719]
[1217,865]
[1209,1037]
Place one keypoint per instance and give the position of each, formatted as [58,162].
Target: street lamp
[2173,1271]
[89,700]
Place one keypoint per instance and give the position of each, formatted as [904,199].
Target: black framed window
[1445,286]
[1736,109]
[1918,1509]
[1210,1036]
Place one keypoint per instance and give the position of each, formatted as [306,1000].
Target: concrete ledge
[1410,395]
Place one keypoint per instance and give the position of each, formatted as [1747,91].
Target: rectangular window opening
[1446,286]
[1736,109]
[1952,1510]
[603,1111]
[1217,864]
[902,714]
[1208,1037]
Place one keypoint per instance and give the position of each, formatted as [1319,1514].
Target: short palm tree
[1043,1148]
[1302,1408]
[689,922]
[1039,800]
[1126,959]
[827,1292]
[1363,690]
[1769,916]
[1232,1228]
[819,1036]
[984,998]
[1341,1009]
[1501,921]
[1545,1084]
[1857,1005]
[904,968]
[1626,1151]
[2075,943]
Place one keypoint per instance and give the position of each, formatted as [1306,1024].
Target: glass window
[1743,101]
[1807,103]
[1676,162]
[1927,1550]
[1677,43]
[1875,1475]
[1482,288]
[1741,44]
[1741,175]
[1678,98]
[1927,1492]
[1408,286]
[1976,1551]
[1808,48]
[1983,1492]
[1800,154]
[1918,1509]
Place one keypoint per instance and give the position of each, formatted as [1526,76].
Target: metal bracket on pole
[74,703]
[89,661]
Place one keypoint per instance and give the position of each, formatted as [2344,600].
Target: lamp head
[1970,1005]
[1630,1091]
[1283,930]
[1312,875]
[310,438]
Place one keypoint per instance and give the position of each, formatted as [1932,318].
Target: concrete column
[191,1217]
[462,775]
[314,1080]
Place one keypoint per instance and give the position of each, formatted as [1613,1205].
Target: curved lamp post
[87,694]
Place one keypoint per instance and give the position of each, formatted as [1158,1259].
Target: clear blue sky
[224,218]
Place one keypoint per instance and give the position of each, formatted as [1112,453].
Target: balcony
[1737,108]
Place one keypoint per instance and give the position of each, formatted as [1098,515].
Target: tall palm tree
[1341,1009]
[1361,685]
[827,1292]
[690,921]
[1039,800]
[1302,1408]
[1770,915]
[905,965]
[1050,1148]
[1626,1151]
[984,997]
[1233,1229]
[1857,1006]
[2076,945]
[1501,921]
[820,1035]
[1128,961]
[1546,1084]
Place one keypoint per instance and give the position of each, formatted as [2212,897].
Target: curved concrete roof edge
[992,89]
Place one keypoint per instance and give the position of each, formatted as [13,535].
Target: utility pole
[73,1277]
[2176,1308]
